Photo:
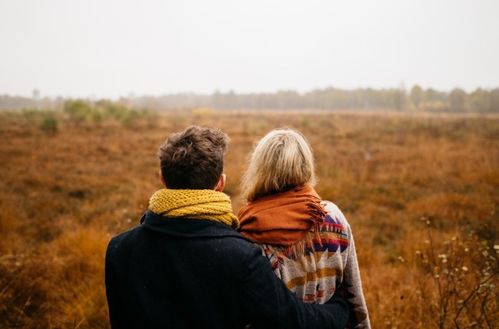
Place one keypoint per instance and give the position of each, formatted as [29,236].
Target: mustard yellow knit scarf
[196,204]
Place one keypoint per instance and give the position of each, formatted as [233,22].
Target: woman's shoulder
[334,214]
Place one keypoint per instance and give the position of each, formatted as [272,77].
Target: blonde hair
[281,160]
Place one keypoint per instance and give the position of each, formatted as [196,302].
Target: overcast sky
[103,48]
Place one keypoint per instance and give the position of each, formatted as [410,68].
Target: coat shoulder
[124,239]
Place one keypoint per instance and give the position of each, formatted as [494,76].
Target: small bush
[49,124]
[31,115]
[457,280]
[79,111]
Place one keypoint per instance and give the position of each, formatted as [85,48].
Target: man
[186,267]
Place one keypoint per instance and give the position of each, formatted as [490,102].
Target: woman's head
[281,160]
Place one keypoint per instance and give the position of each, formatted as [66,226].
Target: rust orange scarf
[282,219]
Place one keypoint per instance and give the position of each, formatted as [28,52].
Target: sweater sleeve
[351,289]
[269,304]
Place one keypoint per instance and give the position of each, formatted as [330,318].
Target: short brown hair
[193,158]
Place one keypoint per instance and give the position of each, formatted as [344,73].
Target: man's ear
[161,178]
[221,183]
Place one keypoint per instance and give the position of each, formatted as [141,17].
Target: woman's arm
[351,289]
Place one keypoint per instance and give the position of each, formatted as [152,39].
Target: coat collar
[187,227]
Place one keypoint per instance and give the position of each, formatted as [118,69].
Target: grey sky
[110,48]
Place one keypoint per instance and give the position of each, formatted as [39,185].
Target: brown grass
[421,194]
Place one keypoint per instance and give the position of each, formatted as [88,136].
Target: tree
[494,100]
[458,100]
[479,100]
[400,99]
[417,96]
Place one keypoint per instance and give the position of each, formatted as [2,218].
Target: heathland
[421,193]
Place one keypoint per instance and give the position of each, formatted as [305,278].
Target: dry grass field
[421,194]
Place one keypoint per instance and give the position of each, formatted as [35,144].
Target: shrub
[78,110]
[456,282]
[49,124]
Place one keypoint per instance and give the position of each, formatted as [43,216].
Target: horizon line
[132,94]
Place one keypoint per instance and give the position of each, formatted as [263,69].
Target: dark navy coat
[187,273]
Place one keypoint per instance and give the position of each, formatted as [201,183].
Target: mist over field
[398,99]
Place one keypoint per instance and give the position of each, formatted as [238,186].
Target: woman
[308,241]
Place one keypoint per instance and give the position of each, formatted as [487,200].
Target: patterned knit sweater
[328,263]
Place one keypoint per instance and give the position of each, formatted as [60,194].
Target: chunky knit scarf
[195,204]
[282,219]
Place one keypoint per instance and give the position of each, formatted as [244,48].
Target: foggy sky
[103,48]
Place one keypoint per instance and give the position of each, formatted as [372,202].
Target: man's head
[194,159]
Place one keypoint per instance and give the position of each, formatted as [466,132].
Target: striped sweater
[328,264]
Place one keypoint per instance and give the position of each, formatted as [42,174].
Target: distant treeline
[8,102]
[416,99]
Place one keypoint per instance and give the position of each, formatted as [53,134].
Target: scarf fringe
[298,249]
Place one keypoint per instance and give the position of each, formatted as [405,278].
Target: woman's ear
[221,183]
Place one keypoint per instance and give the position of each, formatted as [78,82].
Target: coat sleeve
[351,289]
[116,311]
[269,304]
